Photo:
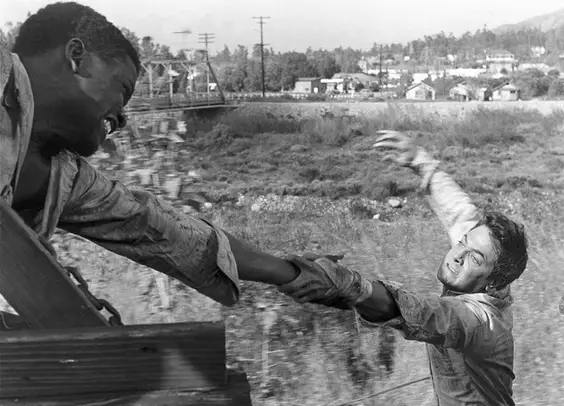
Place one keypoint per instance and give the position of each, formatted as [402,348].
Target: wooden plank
[237,393]
[35,284]
[182,356]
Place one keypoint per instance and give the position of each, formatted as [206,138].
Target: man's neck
[33,183]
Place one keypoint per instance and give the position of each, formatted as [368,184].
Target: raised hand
[403,149]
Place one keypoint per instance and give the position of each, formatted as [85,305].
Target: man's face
[77,110]
[467,267]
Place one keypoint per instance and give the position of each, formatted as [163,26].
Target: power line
[262,44]
[206,38]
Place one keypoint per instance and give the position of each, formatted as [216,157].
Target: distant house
[499,55]
[308,85]
[499,60]
[355,78]
[333,85]
[420,91]
[484,93]
[538,51]
[461,92]
[505,92]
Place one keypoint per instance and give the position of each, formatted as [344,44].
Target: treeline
[239,69]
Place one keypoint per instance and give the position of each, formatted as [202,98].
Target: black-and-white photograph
[281,203]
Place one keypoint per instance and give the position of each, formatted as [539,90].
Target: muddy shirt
[468,337]
[132,223]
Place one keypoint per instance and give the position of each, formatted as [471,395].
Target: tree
[556,89]
[9,34]
[223,56]
[148,49]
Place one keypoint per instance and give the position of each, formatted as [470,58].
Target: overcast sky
[297,24]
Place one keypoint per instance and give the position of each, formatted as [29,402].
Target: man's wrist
[425,166]
[360,289]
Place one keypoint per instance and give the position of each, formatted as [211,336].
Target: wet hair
[510,243]
[56,24]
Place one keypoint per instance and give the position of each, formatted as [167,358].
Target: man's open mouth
[451,269]
[110,124]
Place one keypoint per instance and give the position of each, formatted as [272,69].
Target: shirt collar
[502,297]
[10,96]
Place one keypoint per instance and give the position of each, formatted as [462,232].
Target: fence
[166,102]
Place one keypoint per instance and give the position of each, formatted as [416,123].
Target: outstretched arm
[451,322]
[139,226]
[258,266]
[446,321]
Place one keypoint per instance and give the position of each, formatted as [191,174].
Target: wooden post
[132,365]
[34,283]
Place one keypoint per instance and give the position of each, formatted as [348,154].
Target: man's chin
[444,276]
[86,150]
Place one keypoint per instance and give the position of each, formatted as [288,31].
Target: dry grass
[510,160]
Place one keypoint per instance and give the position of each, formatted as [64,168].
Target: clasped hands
[321,279]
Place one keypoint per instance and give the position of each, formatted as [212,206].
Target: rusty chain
[74,272]
[99,304]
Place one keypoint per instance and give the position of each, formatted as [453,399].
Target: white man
[468,328]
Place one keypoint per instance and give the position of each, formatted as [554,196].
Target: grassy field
[508,158]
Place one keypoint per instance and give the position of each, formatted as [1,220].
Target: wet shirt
[468,337]
[129,222]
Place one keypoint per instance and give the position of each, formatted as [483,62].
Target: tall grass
[471,129]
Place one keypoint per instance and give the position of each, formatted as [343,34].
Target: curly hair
[510,243]
[56,24]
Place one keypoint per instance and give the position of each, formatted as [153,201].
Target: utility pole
[262,44]
[185,32]
[207,38]
[380,73]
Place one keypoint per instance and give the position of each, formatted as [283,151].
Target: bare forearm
[380,306]
[255,265]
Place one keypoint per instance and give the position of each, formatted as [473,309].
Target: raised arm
[448,201]
[452,206]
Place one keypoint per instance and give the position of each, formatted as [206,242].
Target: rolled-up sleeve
[151,232]
[451,322]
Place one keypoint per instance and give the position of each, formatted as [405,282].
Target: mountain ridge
[545,22]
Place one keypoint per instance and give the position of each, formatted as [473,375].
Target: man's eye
[474,259]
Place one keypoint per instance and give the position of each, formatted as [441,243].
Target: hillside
[545,22]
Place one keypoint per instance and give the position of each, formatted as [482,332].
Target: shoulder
[489,310]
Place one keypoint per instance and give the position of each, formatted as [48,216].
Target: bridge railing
[165,102]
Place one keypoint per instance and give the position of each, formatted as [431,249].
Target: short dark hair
[510,242]
[56,24]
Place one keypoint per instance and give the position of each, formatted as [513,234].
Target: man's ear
[78,57]
[499,283]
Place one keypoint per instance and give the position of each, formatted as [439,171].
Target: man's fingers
[389,144]
[334,257]
[390,158]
